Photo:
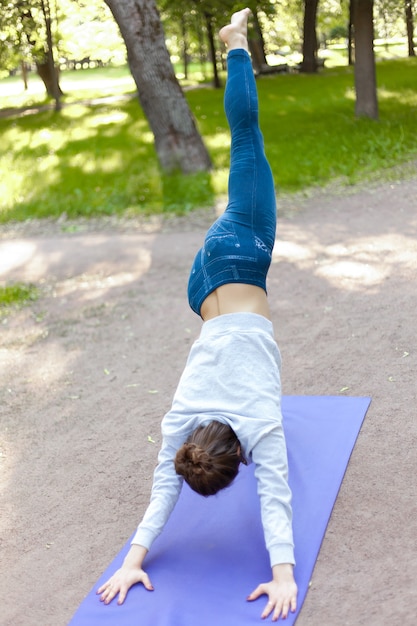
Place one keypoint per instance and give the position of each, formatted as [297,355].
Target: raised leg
[251,185]
[229,272]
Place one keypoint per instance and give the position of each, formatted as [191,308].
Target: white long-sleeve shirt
[232,375]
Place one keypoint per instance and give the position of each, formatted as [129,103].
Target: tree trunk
[210,35]
[350,34]
[257,55]
[202,55]
[24,71]
[52,85]
[43,69]
[309,62]
[257,44]
[184,46]
[177,141]
[365,73]
[409,20]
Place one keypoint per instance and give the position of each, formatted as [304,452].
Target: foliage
[100,160]
[85,29]
[22,30]
[332,17]
[389,18]
[81,30]
[88,31]
[189,19]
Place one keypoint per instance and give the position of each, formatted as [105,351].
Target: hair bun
[193,456]
[209,459]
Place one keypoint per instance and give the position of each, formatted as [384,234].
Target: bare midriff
[235,298]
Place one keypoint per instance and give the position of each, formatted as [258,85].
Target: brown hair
[209,459]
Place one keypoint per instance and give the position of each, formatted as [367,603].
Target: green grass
[100,160]
[86,84]
[313,138]
[16,295]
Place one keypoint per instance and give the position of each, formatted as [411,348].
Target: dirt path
[89,369]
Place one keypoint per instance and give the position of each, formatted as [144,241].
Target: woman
[226,409]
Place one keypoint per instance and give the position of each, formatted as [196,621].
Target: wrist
[135,556]
[283,571]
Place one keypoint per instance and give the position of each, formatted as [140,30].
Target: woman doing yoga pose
[227,407]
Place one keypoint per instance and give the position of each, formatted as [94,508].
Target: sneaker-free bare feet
[235,34]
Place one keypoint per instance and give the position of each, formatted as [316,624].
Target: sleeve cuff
[281,553]
[143,537]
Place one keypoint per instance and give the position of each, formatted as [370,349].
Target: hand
[129,574]
[120,583]
[281,592]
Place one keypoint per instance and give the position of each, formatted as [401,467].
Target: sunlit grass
[15,295]
[100,160]
[87,84]
[76,85]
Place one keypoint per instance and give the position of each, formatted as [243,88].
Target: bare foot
[235,34]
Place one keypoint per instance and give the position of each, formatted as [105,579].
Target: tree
[309,62]
[207,16]
[28,33]
[212,15]
[365,73]
[178,144]
[256,39]
[213,12]
[79,30]
[212,47]
[350,33]
[52,73]
[409,20]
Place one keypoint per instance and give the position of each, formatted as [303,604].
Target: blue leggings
[238,246]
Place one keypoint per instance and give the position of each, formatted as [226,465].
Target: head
[209,459]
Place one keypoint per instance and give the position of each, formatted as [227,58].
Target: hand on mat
[281,592]
[129,574]
[120,583]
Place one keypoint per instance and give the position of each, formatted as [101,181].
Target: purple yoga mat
[211,554]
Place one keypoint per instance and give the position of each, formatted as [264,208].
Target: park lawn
[76,85]
[99,159]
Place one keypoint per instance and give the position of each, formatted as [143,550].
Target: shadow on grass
[100,160]
[91,161]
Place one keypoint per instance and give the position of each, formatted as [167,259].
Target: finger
[109,593]
[283,611]
[122,595]
[293,604]
[104,590]
[268,609]
[259,591]
[147,583]
[103,587]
